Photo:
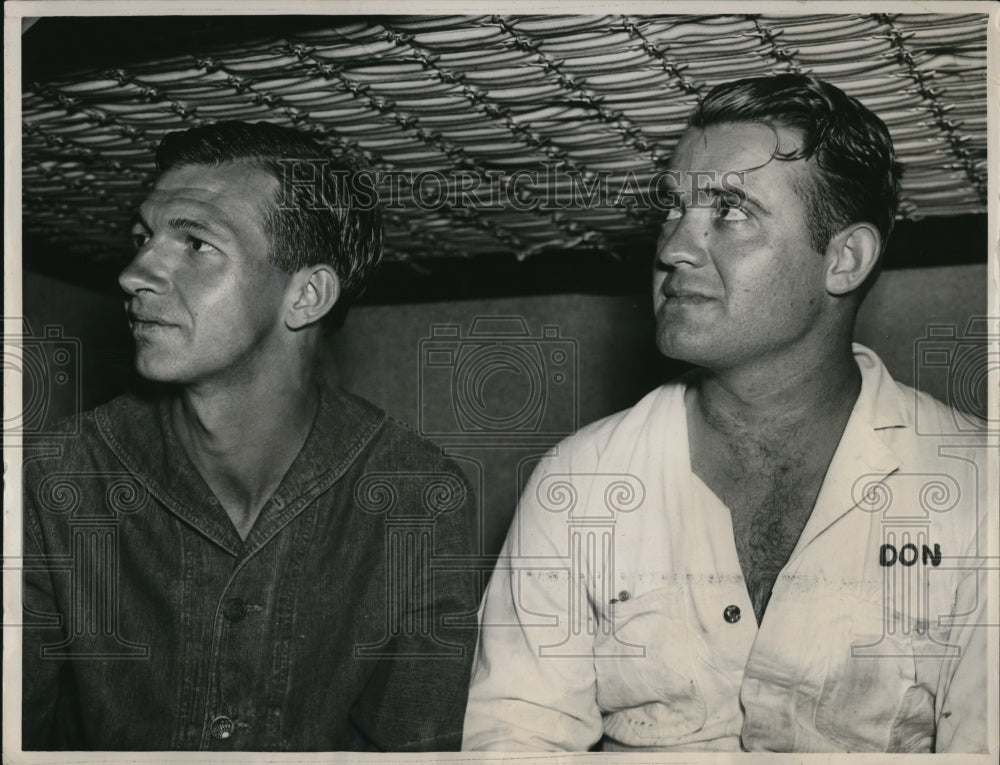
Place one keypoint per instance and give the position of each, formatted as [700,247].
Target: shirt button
[222,727]
[234,609]
[731,614]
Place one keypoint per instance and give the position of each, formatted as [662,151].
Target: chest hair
[770,493]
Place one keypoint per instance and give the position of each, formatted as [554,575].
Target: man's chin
[157,373]
[685,348]
[675,345]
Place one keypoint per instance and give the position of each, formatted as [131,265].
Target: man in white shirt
[780,551]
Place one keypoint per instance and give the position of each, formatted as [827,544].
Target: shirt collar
[880,402]
[863,456]
[137,430]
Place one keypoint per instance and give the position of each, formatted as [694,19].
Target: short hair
[325,216]
[857,175]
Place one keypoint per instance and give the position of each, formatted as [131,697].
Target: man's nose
[145,272]
[685,241]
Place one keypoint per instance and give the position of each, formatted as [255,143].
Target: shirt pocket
[645,671]
[870,699]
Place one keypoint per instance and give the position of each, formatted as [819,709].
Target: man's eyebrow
[190,224]
[728,191]
[731,185]
[184,224]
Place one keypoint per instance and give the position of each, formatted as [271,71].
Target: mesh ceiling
[587,95]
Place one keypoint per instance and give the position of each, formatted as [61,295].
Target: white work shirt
[618,607]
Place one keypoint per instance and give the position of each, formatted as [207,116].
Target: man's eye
[139,238]
[199,245]
[731,213]
[674,212]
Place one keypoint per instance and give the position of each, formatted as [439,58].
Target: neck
[242,435]
[813,389]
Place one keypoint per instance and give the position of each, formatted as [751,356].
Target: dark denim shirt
[343,621]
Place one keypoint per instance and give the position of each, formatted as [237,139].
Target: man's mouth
[146,322]
[684,297]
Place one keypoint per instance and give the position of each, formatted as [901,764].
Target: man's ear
[850,256]
[312,293]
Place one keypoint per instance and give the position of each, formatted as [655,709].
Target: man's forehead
[741,147]
[223,189]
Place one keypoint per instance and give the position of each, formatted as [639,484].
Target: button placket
[234,609]
[222,727]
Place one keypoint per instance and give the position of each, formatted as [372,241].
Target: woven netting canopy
[563,97]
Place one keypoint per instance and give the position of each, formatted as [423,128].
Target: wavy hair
[856,177]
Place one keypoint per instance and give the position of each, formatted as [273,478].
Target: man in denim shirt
[240,559]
